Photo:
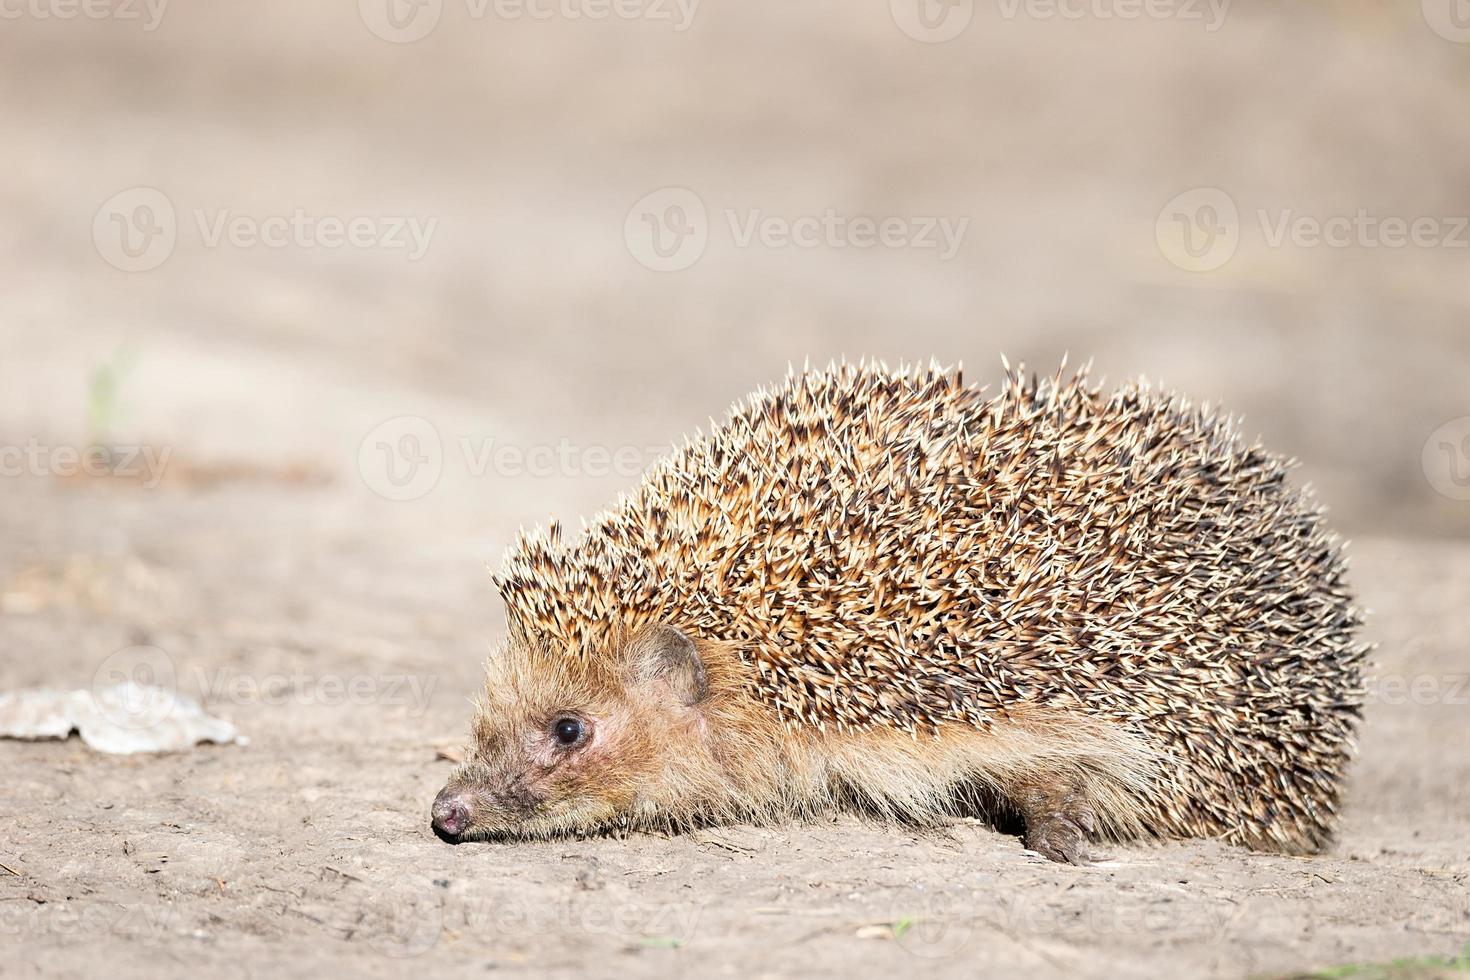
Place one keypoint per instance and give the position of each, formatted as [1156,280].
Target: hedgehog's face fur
[564,744]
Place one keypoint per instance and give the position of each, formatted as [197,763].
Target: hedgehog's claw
[1061,837]
[1059,819]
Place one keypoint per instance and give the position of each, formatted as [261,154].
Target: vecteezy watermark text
[1210,13]
[936,21]
[669,229]
[411,691]
[137,230]
[1420,690]
[148,924]
[408,922]
[148,670]
[1201,229]
[405,457]
[149,13]
[1363,229]
[302,230]
[143,463]
[406,21]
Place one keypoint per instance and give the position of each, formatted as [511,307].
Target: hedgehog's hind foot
[1059,819]
[1061,836]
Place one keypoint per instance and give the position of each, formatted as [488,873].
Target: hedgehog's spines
[1047,545]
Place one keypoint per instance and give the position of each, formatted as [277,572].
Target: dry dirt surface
[308,850]
[343,437]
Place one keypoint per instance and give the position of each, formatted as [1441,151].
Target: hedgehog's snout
[479,802]
[451,814]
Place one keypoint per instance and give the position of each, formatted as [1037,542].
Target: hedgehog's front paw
[1061,835]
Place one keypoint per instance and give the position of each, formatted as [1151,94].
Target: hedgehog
[1096,616]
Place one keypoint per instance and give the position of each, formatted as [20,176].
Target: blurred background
[252,233]
[308,306]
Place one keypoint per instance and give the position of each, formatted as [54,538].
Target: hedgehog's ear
[666,655]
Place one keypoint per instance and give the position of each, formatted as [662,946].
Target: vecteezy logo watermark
[406,21]
[940,926]
[1199,230]
[401,21]
[669,230]
[932,21]
[137,230]
[148,12]
[404,458]
[1446,459]
[143,463]
[1450,19]
[400,925]
[131,687]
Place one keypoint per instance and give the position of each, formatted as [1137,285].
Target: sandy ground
[269,571]
[310,846]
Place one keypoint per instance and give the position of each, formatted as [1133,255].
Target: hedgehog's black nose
[451,815]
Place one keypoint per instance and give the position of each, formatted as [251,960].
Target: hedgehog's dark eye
[568,731]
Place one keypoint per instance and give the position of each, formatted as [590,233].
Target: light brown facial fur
[526,776]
